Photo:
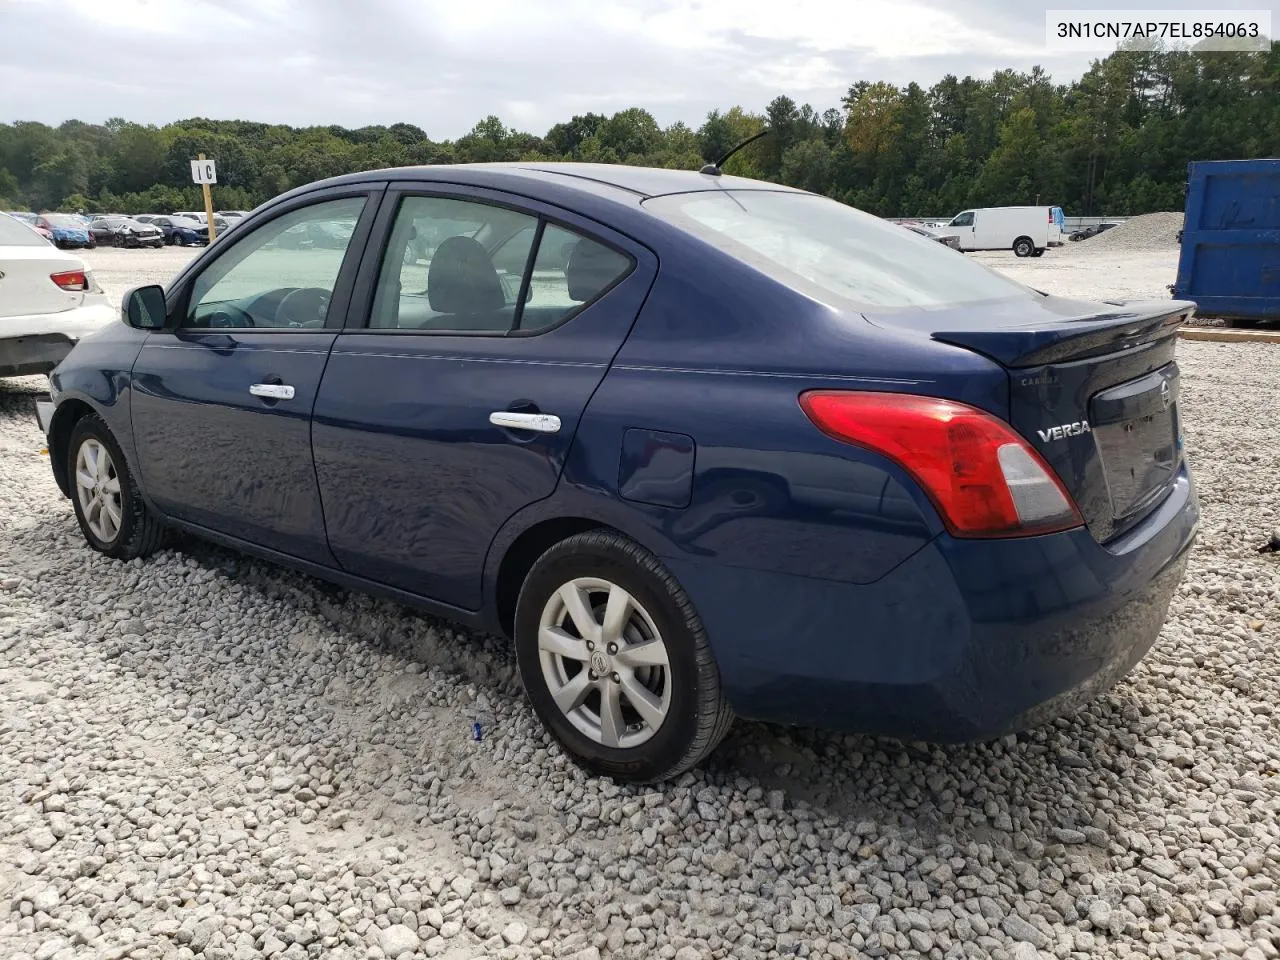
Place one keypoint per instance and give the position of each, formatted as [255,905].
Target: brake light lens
[71,280]
[984,479]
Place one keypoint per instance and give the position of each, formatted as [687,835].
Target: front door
[222,403]
[453,402]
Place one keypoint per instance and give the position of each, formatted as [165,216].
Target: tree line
[1116,141]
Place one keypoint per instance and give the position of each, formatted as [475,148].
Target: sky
[445,64]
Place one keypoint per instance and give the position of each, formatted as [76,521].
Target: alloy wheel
[98,490]
[604,662]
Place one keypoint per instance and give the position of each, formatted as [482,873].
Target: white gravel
[203,755]
[1150,231]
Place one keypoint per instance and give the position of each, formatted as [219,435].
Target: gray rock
[41,839]
[397,939]
[1020,929]
[515,932]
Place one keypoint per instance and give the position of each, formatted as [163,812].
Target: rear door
[452,398]
[222,404]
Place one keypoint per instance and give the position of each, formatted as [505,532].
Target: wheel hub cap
[604,662]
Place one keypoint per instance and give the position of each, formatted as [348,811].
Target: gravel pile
[1150,231]
[207,756]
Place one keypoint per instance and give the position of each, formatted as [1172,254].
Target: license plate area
[1138,435]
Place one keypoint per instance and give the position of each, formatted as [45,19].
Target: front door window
[280,276]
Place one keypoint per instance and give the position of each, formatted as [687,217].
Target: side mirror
[143,308]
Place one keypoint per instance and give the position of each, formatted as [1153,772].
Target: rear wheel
[1023,247]
[108,506]
[616,662]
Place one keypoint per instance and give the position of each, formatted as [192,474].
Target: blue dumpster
[1230,260]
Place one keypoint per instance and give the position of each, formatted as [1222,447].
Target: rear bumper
[966,640]
[27,356]
[36,343]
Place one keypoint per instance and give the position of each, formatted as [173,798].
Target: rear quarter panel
[721,354]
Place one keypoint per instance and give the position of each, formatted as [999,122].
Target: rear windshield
[14,233]
[833,252]
[64,220]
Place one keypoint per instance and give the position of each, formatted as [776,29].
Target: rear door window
[463,266]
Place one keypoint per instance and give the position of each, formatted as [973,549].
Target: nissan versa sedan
[741,450]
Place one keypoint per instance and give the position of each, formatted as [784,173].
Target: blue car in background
[69,232]
[179,231]
[701,446]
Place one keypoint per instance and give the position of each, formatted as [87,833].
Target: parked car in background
[48,300]
[181,231]
[946,240]
[125,232]
[32,220]
[1086,232]
[1024,230]
[67,230]
[872,516]
[190,214]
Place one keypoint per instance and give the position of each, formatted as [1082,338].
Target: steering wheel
[304,307]
[228,317]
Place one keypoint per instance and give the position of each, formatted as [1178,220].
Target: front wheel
[1023,247]
[109,507]
[616,662]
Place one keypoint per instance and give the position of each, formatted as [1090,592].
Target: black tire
[139,533]
[699,715]
[1023,247]
[178,241]
[1039,252]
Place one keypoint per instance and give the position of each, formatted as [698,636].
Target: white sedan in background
[48,301]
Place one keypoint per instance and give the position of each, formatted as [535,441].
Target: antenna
[713,169]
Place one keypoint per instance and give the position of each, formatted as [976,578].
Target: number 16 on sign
[205,172]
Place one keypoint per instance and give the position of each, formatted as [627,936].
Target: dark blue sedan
[701,446]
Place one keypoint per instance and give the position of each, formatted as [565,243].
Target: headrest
[590,269]
[461,278]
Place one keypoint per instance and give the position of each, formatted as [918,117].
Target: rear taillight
[71,279]
[984,479]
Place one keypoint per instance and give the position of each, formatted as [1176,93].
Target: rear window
[833,252]
[14,233]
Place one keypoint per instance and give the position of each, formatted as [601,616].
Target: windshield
[64,220]
[831,251]
[14,233]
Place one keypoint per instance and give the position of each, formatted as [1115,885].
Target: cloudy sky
[443,64]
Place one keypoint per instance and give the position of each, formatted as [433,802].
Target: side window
[453,265]
[569,272]
[963,220]
[459,265]
[279,276]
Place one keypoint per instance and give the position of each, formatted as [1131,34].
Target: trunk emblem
[1166,395]
[1065,430]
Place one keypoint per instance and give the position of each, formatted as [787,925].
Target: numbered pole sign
[203,171]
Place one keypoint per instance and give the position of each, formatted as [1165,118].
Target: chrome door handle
[537,422]
[272,391]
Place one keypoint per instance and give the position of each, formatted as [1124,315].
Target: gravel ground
[203,755]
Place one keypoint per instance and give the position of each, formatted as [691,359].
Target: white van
[1024,230]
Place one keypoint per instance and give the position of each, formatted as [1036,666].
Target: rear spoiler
[1086,335]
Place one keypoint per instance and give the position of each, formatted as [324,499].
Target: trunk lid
[25,287]
[1093,387]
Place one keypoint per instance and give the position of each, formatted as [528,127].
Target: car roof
[640,182]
